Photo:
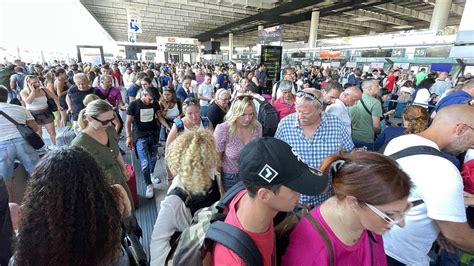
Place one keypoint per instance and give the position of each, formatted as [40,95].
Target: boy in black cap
[274,177]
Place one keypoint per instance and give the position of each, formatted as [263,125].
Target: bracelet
[128,137]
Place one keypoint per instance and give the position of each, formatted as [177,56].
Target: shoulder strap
[229,195]
[365,107]
[327,242]
[9,118]
[415,150]
[236,240]
[179,123]
[185,197]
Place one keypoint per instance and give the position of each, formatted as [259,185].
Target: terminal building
[166,44]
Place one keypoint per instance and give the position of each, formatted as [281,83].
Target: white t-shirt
[340,110]
[206,91]
[438,183]
[19,114]
[423,97]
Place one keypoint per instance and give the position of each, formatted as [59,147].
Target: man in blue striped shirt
[314,135]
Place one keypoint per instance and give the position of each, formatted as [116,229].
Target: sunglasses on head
[191,101]
[242,97]
[308,96]
[104,123]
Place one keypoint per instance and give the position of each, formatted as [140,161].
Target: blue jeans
[19,149]
[229,180]
[147,149]
[204,110]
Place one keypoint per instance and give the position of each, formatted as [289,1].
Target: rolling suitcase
[64,136]
[132,183]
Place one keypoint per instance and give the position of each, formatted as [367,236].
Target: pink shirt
[231,146]
[306,247]
[283,108]
[265,241]
[113,95]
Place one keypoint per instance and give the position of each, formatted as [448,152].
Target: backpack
[20,81]
[268,117]
[180,125]
[208,227]
[416,150]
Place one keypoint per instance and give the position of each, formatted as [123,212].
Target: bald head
[455,114]
[350,96]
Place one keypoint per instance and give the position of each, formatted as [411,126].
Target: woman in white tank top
[34,95]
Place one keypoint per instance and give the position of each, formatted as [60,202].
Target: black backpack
[268,117]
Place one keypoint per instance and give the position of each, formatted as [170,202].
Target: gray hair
[80,76]
[366,84]
[285,85]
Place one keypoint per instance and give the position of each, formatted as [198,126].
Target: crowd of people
[378,192]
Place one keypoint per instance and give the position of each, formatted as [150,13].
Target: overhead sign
[376,65]
[164,40]
[271,58]
[399,52]
[351,64]
[404,66]
[134,22]
[132,37]
[330,54]
[420,52]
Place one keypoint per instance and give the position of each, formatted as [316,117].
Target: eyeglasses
[104,123]
[396,220]
[308,96]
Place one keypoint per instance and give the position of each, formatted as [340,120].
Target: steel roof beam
[404,11]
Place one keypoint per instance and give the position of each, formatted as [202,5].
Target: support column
[313,30]
[439,19]
[231,45]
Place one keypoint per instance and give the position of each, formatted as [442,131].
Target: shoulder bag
[26,132]
[50,101]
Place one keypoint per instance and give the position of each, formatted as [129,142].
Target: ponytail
[82,119]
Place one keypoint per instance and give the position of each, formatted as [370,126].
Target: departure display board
[271,58]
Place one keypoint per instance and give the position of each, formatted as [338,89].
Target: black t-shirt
[215,114]
[144,118]
[77,97]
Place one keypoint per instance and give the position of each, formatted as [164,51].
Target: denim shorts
[229,180]
[16,149]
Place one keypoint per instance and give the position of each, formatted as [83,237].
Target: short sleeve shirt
[330,138]
[439,184]
[230,145]
[133,90]
[19,114]
[144,117]
[265,241]
[307,247]
[283,108]
[77,97]
[361,120]
[113,95]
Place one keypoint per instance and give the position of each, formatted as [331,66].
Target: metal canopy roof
[205,19]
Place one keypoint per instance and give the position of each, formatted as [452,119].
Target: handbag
[51,103]
[26,132]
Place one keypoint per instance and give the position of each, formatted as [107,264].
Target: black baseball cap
[269,161]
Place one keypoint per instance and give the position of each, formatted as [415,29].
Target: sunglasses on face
[308,96]
[104,123]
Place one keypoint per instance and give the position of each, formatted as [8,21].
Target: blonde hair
[191,156]
[93,108]
[89,98]
[237,109]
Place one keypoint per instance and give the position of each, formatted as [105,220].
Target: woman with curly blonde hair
[192,159]
[241,127]
[415,120]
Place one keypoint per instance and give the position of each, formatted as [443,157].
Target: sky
[54,26]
